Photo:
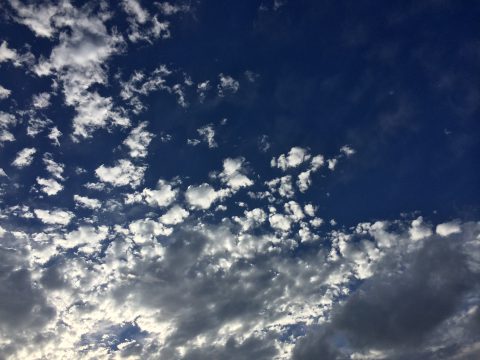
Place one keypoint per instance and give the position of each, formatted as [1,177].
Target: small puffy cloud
[207,133]
[86,238]
[54,168]
[168,8]
[49,186]
[6,121]
[145,230]
[54,217]
[280,222]
[122,174]
[24,157]
[419,230]
[133,8]
[448,228]
[162,196]
[7,54]
[252,218]
[173,216]
[332,163]
[227,85]
[4,93]
[86,202]
[282,185]
[41,101]
[138,140]
[294,158]
[54,135]
[347,151]
[294,210]
[201,196]
[233,174]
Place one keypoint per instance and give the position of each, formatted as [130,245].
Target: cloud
[24,158]
[175,215]
[448,228]
[122,174]
[233,174]
[207,133]
[227,85]
[294,158]
[86,202]
[41,101]
[54,168]
[138,140]
[162,196]
[49,186]
[201,196]
[4,93]
[54,217]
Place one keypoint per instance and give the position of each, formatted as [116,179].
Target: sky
[239,179]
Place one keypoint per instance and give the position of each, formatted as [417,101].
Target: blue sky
[239,179]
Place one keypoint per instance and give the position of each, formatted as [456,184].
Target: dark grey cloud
[402,309]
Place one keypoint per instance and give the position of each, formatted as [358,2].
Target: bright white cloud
[174,215]
[41,101]
[122,174]
[138,140]
[448,228]
[4,93]
[86,202]
[201,196]
[233,174]
[54,217]
[24,157]
[294,158]
[49,186]
[162,196]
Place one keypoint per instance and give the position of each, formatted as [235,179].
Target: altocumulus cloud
[136,222]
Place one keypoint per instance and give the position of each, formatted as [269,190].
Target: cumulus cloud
[122,174]
[174,215]
[138,140]
[56,217]
[49,186]
[201,196]
[86,202]
[207,133]
[227,85]
[233,174]
[4,93]
[24,158]
[41,101]
[294,158]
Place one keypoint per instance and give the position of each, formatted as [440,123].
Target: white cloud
[86,238]
[123,174]
[4,93]
[347,150]
[57,217]
[138,140]
[54,135]
[282,185]
[174,215]
[294,158]
[6,121]
[168,8]
[448,228]
[86,202]
[133,8]
[207,133]
[7,54]
[227,85]
[24,157]
[419,230]
[41,101]
[201,196]
[49,186]
[252,218]
[280,222]
[233,174]
[145,230]
[54,168]
[162,196]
